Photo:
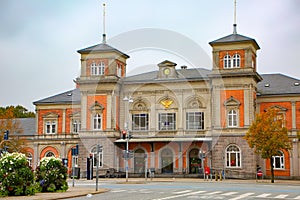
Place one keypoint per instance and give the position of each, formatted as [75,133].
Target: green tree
[268,135]
[17,111]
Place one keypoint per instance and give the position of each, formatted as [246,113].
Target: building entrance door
[167,161]
[139,161]
[195,163]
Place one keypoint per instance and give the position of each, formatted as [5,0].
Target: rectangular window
[167,121]
[75,161]
[76,126]
[50,127]
[195,120]
[140,122]
[98,160]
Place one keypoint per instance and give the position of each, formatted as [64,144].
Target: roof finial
[103,35]
[234,19]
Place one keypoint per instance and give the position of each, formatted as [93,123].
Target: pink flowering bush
[16,176]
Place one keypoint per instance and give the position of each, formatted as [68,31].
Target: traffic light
[124,135]
[6,135]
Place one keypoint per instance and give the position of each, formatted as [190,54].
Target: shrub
[16,176]
[52,175]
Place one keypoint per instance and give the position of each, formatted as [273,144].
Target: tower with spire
[102,69]
[234,81]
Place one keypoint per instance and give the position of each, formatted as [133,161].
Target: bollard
[216,176]
[221,176]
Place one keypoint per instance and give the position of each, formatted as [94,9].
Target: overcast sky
[39,39]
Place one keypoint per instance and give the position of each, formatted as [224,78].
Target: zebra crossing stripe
[242,196]
[229,193]
[181,192]
[298,197]
[263,195]
[180,195]
[282,196]
[212,193]
[116,191]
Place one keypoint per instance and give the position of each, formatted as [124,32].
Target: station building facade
[180,119]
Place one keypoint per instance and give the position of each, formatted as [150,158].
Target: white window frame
[232,118]
[232,62]
[29,159]
[143,121]
[227,61]
[164,124]
[76,125]
[279,160]
[191,120]
[50,126]
[74,161]
[236,61]
[97,125]
[119,70]
[233,153]
[49,154]
[97,70]
[100,157]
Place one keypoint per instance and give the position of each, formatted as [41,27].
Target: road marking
[180,195]
[229,193]
[242,196]
[264,195]
[212,193]
[298,197]
[282,196]
[181,192]
[116,191]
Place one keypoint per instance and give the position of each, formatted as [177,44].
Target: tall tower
[102,69]
[234,81]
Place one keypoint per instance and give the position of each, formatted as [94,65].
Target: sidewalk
[71,193]
[84,191]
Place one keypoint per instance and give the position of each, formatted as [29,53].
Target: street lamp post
[129,100]
[99,148]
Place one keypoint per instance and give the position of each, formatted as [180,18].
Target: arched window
[236,60]
[101,68]
[233,156]
[94,70]
[227,61]
[97,122]
[29,159]
[232,118]
[49,154]
[278,161]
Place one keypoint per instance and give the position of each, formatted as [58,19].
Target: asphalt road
[192,190]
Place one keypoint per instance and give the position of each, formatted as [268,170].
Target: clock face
[167,71]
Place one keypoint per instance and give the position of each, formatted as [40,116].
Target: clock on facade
[166,71]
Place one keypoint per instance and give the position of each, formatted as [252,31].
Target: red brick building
[181,119]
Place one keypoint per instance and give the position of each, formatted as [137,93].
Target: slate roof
[103,47]
[69,97]
[183,74]
[28,126]
[278,84]
[232,38]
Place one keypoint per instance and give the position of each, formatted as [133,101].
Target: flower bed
[16,176]
[52,175]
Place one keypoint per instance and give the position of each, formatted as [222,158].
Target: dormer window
[232,62]
[97,70]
